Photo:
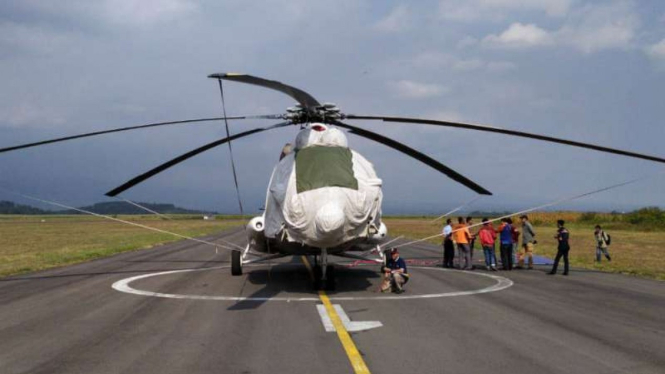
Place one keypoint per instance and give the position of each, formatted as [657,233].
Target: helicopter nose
[329,219]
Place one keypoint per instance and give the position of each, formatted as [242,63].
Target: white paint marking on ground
[357,325]
[123,286]
[348,324]
[325,318]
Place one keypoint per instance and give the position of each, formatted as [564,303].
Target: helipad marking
[123,286]
[351,326]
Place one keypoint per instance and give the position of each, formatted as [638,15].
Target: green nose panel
[318,167]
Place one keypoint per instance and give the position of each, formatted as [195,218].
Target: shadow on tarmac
[285,278]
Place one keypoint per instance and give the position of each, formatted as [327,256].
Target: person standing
[448,245]
[602,244]
[487,239]
[562,236]
[528,240]
[506,238]
[462,238]
[516,240]
[472,242]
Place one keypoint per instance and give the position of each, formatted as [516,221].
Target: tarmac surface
[73,320]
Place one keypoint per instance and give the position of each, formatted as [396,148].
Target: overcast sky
[590,71]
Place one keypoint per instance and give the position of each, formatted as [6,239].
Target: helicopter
[323,199]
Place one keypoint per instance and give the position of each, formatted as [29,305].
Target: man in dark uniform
[394,273]
[448,245]
[562,236]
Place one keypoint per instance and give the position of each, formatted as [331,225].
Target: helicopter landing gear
[330,278]
[236,263]
[327,283]
[318,274]
[237,259]
[324,274]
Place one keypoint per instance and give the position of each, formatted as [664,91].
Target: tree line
[106,208]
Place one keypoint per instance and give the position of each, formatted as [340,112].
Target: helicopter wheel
[318,274]
[330,278]
[236,263]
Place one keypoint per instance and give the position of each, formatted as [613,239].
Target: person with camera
[602,244]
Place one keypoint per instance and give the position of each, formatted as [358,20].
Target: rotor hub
[326,113]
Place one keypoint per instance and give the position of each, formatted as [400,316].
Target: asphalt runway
[73,320]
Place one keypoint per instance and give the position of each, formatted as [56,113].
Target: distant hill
[106,208]
[117,207]
[8,207]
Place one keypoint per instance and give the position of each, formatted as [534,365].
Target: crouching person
[395,275]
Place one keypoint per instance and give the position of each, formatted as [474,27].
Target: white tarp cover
[324,217]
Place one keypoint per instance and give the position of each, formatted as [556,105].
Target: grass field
[633,251]
[31,243]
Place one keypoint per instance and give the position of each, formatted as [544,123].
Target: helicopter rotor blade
[302,97]
[233,162]
[452,174]
[152,172]
[510,132]
[56,140]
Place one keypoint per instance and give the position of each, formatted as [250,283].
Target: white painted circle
[123,286]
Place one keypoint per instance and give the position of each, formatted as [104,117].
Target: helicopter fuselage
[322,195]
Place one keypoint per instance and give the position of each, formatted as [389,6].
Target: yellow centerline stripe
[357,362]
[308,266]
[351,351]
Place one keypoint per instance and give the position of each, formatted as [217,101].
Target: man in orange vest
[463,238]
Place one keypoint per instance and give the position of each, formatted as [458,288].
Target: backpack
[608,238]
